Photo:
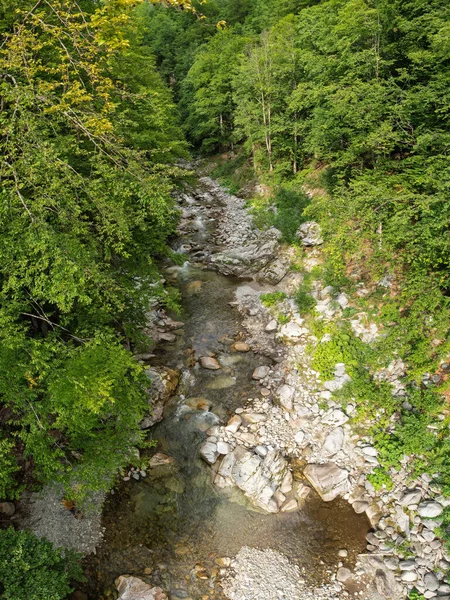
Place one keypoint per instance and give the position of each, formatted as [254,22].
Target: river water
[171,527]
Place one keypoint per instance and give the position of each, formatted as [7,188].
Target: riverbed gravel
[268,575]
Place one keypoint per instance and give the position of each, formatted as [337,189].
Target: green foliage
[89,137]
[272,298]
[415,595]
[443,531]
[303,298]
[283,319]
[380,479]
[343,347]
[285,211]
[32,568]
[8,469]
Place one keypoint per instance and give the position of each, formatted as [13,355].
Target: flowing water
[172,526]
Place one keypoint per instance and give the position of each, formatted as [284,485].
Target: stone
[411,497]
[310,234]
[260,372]
[343,553]
[272,326]
[285,396]
[223,448]
[343,574]
[162,385]
[209,452]
[333,442]
[274,272]
[374,513]
[132,588]
[329,480]
[289,506]
[369,451]
[159,459]
[207,362]
[254,417]
[407,565]
[233,424]
[7,508]
[409,576]
[335,417]
[257,477]
[431,582]
[198,403]
[286,485]
[302,490]
[241,347]
[342,300]
[292,331]
[299,437]
[223,561]
[429,510]
[360,506]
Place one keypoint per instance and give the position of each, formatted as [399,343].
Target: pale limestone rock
[285,395]
[329,480]
[334,442]
[233,424]
[132,588]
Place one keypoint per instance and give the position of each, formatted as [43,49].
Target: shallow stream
[171,527]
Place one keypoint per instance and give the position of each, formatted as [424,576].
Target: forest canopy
[89,137]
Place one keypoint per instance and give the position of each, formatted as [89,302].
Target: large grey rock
[429,510]
[411,497]
[132,588]
[310,234]
[258,477]
[285,396]
[163,383]
[329,480]
[333,442]
[250,258]
[274,272]
[431,582]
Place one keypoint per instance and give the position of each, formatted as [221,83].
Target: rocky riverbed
[257,487]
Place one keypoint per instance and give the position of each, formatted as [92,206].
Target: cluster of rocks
[268,575]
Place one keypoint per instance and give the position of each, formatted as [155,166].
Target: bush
[31,568]
[284,210]
[271,298]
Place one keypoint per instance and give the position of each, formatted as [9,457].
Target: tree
[85,212]
[208,91]
[32,569]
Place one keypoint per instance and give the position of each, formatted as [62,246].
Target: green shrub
[284,210]
[31,568]
[380,479]
[271,298]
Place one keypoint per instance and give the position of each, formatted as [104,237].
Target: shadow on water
[172,526]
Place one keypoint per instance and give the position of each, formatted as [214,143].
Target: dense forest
[102,101]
